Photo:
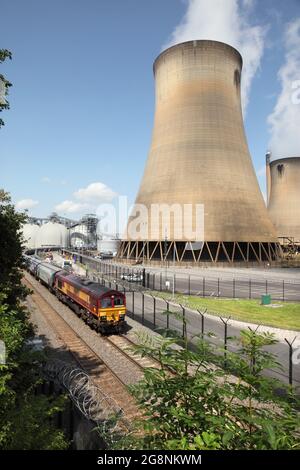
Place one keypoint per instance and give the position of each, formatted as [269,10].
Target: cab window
[118,301]
[106,302]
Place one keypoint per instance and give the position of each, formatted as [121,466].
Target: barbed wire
[92,402]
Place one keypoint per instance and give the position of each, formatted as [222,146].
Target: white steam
[284,121]
[226,21]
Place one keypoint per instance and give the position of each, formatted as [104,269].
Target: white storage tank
[30,234]
[108,245]
[52,234]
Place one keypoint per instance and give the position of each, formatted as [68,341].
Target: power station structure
[283,192]
[83,234]
[199,155]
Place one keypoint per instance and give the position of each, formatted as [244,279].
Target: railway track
[98,370]
[126,347]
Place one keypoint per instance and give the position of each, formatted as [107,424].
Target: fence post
[290,345]
[133,304]
[218,287]
[154,311]
[189,284]
[184,329]
[233,288]
[160,281]
[225,322]
[143,308]
[283,296]
[202,321]
[250,289]
[203,287]
[168,315]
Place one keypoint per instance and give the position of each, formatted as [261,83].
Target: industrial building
[83,234]
[283,190]
[199,155]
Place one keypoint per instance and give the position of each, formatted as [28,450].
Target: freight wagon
[45,272]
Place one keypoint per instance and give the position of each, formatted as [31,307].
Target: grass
[285,315]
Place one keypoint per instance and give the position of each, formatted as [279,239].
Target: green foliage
[4,84]
[192,402]
[11,251]
[26,419]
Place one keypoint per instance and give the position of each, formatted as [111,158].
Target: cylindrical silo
[52,234]
[199,155]
[30,233]
[284,201]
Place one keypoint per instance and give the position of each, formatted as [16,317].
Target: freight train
[102,308]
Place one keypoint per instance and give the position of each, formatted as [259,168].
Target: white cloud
[87,199]
[71,207]
[46,179]
[284,121]
[226,21]
[26,204]
[95,193]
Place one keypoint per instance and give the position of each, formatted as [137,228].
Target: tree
[4,84]
[193,402]
[11,251]
[24,417]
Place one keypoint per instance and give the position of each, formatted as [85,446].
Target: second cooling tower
[199,155]
[283,181]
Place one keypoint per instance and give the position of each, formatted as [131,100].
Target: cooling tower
[199,155]
[284,197]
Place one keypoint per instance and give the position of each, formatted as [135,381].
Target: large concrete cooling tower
[283,181]
[199,155]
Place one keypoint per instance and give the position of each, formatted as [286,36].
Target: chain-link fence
[193,284]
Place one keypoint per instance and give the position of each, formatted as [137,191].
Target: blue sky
[82,100]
